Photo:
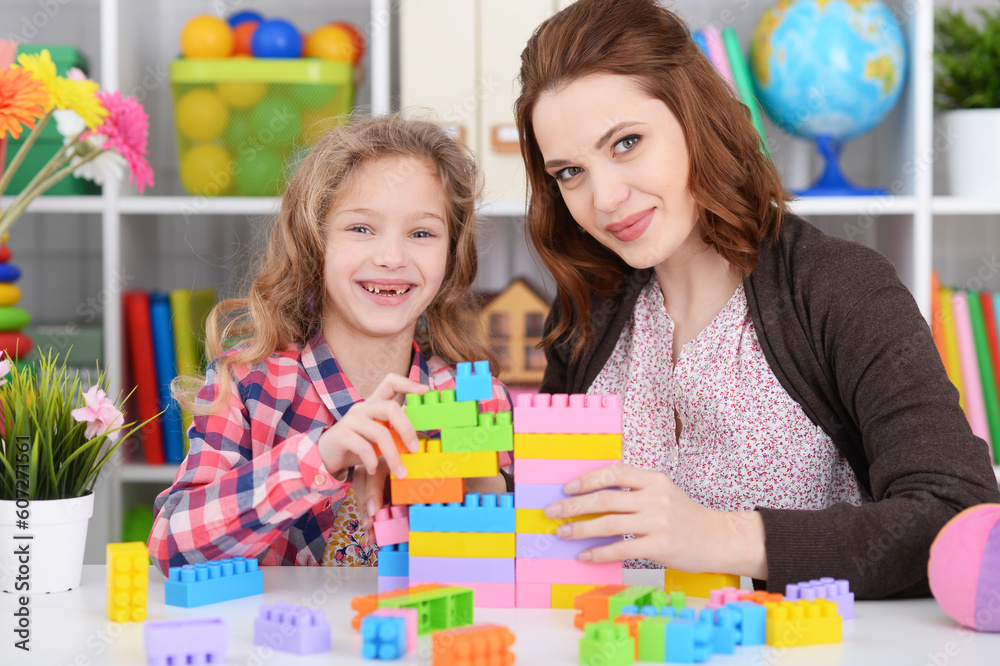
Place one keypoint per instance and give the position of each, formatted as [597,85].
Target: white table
[71,628]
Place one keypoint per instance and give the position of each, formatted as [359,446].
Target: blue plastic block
[383,637]
[209,582]
[689,641]
[649,611]
[394,560]
[751,622]
[724,634]
[473,384]
[486,513]
[631,609]
[292,629]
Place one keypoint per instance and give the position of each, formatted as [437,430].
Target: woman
[786,415]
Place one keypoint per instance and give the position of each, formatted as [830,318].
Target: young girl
[786,414]
[361,299]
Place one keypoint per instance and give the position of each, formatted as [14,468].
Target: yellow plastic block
[461,544]
[127,581]
[568,447]
[534,521]
[803,622]
[563,595]
[697,585]
[469,464]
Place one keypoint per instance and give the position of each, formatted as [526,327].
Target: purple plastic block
[551,547]
[824,588]
[537,495]
[292,629]
[194,641]
[467,569]
[392,583]
[564,414]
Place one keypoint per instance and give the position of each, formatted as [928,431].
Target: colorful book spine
[954,363]
[742,80]
[936,317]
[717,53]
[976,408]
[699,39]
[992,334]
[140,354]
[166,370]
[985,369]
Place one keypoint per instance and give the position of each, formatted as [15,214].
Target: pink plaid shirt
[253,483]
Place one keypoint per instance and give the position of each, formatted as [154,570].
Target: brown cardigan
[845,338]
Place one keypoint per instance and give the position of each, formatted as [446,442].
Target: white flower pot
[47,555]
[971,144]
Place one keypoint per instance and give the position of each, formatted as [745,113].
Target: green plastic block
[492,434]
[436,410]
[677,600]
[446,608]
[653,639]
[606,644]
[635,595]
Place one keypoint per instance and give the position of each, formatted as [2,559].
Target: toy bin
[243,123]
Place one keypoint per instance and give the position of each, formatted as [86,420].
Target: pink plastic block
[575,414]
[722,596]
[392,525]
[540,470]
[392,583]
[838,591]
[410,615]
[534,595]
[484,595]
[569,572]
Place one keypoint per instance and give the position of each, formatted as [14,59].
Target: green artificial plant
[967,59]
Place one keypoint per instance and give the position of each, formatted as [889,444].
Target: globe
[828,70]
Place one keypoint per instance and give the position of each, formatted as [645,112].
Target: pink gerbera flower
[127,131]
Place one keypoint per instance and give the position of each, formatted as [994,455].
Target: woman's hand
[351,442]
[668,526]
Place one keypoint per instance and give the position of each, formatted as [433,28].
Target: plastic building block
[567,571]
[607,644]
[435,410]
[689,641]
[797,623]
[533,595]
[437,609]
[637,595]
[495,432]
[292,629]
[474,384]
[761,597]
[750,620]
[562,414]
[697,585]
[554,471]
[593,605]
[724,636]
[193,641]
[686,613]
[127,580]
[458,544]
[392,525]
[837,591]
[606,447]
[394,560]
[472,464]
[383,637]
[564,594]
[466,570]
[390,583]
[479,644]
[427,491]
[408,614]
[487,595]
[210,582]
[534,521]
[366,605]
[653,639]
[397,440]
[720,597]
[486,513]
[538,495]
[632,622]
[551,547]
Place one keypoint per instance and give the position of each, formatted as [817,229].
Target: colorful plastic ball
[207,170]
[964,568]
[259,173]
[206,36]
[276,38]
[240,18]
[356,37]
[243,38]
[201,115]
[312,95]
[241,94]
[275,121]
[237,134]
[331,42]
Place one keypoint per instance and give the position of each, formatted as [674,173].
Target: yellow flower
[79,96]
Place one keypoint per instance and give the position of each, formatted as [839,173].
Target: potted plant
[55,438]
[967,90]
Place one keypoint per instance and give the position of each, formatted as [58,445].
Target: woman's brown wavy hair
[286,301]
[736,188]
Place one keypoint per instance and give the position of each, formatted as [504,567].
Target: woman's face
[621,162]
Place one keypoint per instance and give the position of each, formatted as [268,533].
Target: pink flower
[4,368]
[127,131]
[100,414]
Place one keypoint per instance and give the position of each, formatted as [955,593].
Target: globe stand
[832,182]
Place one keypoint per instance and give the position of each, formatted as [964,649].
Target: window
[499,325]
[534,358]
[534,323]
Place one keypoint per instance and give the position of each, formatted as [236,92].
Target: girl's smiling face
[386,249]
[620,160]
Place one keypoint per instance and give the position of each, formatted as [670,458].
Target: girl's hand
[668,526]
[349,442]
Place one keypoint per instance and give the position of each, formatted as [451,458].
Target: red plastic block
[593,605]
[574,414]
[427,491]
[392,525]
[479,644]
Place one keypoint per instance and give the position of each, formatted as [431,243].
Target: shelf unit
[130,42]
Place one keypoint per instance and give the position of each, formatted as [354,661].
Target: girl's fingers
[357,444]
[394,385]
[376,433]
[610,525]
[602,501]
[388,412]
[374,490]
[623,549]
[616,475]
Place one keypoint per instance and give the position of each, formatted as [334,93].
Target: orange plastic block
[366,605]
[803,622]
[632,622]
[761,597]
[480,644]
[427,491]
[593,605]
[395,438]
